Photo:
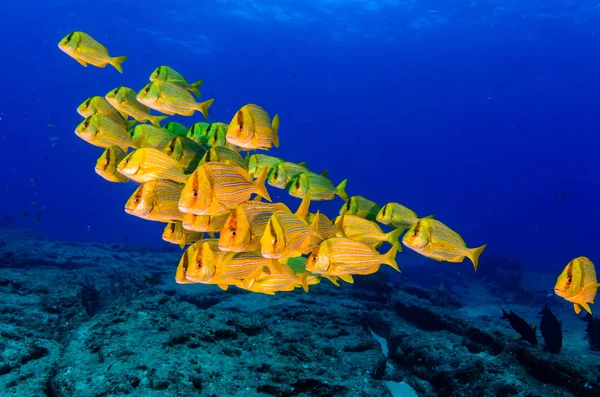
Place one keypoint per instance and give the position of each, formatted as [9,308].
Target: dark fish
[593,332]
[551,330]
[154,279]
[37,218]
[25,214]
[518,324]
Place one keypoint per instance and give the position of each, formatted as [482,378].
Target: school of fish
[205,179]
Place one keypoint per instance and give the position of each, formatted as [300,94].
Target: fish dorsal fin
[304,206]
[258,199]
[325,173]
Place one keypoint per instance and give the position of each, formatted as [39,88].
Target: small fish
[33,181]
[176,128]
[103,132]
[216,187]
[38,217]
[124,100]
[518,324]
[258,162]
[176,234]
[171,99]
[106,165]
[243,228]
[51,125]
[34,203]
[186,152]
[9,187]
[276,278]
[366,231]
[361,206]
[593,332]
[343,257]
[147,164]
[551,330]
[216,136]
[251,128]
[25,214]
[198,132]
[156,201]
[99,105]
[396,215]
[84,49]
[433,239]
[281,175]
[577,284]
[172,76]
[205,223]
[298,265]
[225,156]
[204,258]
[54,138]
[319,187]
[150,136]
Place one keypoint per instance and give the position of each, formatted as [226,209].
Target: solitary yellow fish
[84,49]
[147,164]
[320,187]
[281,175]
[172,76]
[205,223]
[124,100]
[225,156]
[148,135]
[106,166]
[366,231]
[171,99]
[156,201]
[577,283]
[361,206]
[103,132]
[258,162]
[251,128]
[176,234]
[216,187]
[397,215]
[99,105]
[433,239]
[343,257]
[186,152]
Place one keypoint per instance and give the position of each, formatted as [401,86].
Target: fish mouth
[183,208]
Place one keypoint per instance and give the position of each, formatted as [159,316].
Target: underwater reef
[107,320]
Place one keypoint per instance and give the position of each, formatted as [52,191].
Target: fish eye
[147,90]
[195,193]
[314,258]
[87,103]
[297,183]
[569,280]
[137,200]
[274,240]
[233,233]
[69,37]
[173,227]
[415,234]
[86,123]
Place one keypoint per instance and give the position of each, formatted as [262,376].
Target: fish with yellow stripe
[176,234]
[396,215]
[366,231]
[171,99]
[124,100]
[199,261]
[216,136]
[85,49]
[241,267]
[169,74]
[216,187]
[578,284]
[276,278]
[205,223]
[223,155]
[344,257]
[319,187]
[156,201]
[252,128]
[361,206]
[325,226]
[258,162]
[298,265]
[147,164]
[186,152]
[150,136]
[281,175]
[99,105]
[104,132]
[106,165]
[433,239]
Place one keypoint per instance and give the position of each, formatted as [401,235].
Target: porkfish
[281,174]
[106,165]
[147,164]
[396,215]
[171,99]
[578,284]
[223,155]
[205,263]
[274,278]
[124,100]
[176,234]
[156,201]
[252,129]
[150,136]
[104,132]
[169,74]
[186,152]
[433,239]
[361,229]
[319,187]
[85,49]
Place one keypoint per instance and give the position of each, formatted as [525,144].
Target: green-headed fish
[216,136]
[344,257]
[124,100]
[172,76]
[84,49]
[185,151]
[176,129]
[397,215]
[361,206]
[176,234]
[578,284]
[366,231]
[281,175]
[223,155]
[106,166]
[433,239]
[205,223]
[103,132]
[298,265]
[198,132]
[258,162]
[156,201]
[216,187]
[320,187]
[276,277]
[147,164]
[251,128]
[171,99]
[150,136]
[99,105]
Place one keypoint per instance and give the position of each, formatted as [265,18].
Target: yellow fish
[343,257]
[361,206]
[433,239]
[282,174]
[124,100]
[147,164]
[205,223]
[156,201]
[325,226]
[216,136]
[205,261]
[171,99]
[244,227]
[298,265]
[176,234]
[225,156]
[276,278]
[397,215]
[216,187]
[186,152]
[172,76]
[84,49]
[366,231]
[578,284]
[251,128]
[103,132]
[106,166]
[320,187]
[99,105]
[240,266]
[150,136]
[258,162]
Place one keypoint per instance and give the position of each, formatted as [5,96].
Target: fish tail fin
[202,107]
[155,120]
[340,190]
[393,236]
[275,126]
[261,188]
[195,87]
[390,256]
[117,61]
[474,255]
[304,281]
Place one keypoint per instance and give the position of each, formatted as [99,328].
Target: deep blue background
[476,113]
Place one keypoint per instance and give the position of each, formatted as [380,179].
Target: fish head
[88,128]
[149,94]
[273,241]
[184,264]
[236,234]
[106,163]
[174,148]
[417,236]
[240,131]
[116,96]
[140,203]
[170,232]
[318,261]
[131,164]
[70,42]
[570,282]
[277,177]
[252,162]
[298,186]
[160,73]
[385,214]
[87,108]
[350,207]
[197,131]
[196,195]
[203,266]
[189,221]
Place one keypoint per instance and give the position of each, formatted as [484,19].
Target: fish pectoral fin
[333,279]
[223,286]
[577,308]
[182,246]
[586,307]
[81,62]
[347,278]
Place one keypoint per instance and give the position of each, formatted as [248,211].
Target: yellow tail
[475,252]
[389,258]
[340,190]
[275,125]
[393,237]
[117,61]
[203,107]
[260,187]
[195,88]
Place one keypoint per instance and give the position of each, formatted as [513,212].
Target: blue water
[482,113]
